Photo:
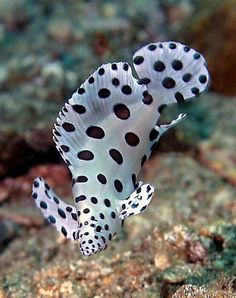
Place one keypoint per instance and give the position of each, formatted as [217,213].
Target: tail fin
[62,215]
[172,71]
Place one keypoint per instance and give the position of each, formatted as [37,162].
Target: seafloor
[184,244]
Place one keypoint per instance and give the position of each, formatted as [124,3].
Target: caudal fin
[172,72]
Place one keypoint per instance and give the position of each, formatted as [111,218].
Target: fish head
[94,235]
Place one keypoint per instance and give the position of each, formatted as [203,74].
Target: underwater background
[184,244]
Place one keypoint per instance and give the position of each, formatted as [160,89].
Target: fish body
[107,131]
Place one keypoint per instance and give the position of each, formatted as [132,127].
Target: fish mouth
[88,251]
[91,245]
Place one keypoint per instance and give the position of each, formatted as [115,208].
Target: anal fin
[137,201]
[60,214]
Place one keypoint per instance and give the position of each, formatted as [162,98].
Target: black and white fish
[106,132]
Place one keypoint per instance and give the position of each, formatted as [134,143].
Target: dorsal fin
[111,89]
[172,71]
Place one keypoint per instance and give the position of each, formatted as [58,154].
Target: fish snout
[91,245]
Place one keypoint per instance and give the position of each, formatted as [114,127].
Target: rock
[181,273]
[191,291]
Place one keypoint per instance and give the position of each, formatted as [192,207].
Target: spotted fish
[107,131]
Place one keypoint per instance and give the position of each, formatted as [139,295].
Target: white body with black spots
[105,134]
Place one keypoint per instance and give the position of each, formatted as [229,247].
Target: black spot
[91,80]
[101,71]
[144,81]
[138,60]
[118,185]
[57,133]
[94,200]
[161,108]
[195,90]
[74,216]
[106,227]
[125,66]
[63,230]
[126,89]
[148,188]
[177,65]
[34,195]
[123,206]
[132,139]
[86,223]
[152,47]
[179,97]
[144,158]
[134,179]
[187,77]
[98,229]
[172,46]
[101,215]
[36,184]
[86,233]
[115,82]
[101,178]
[82,179]
[95,132]
[80,198]
[113,215]
[196,56]
[47,186]
[168,83]
[159,66]
[65,110]
[186,49]
[86,210]
[104,93]
[147,98]
[103,239]
[143,208]
[161,46]
[116,156]
[43,205]
[47,194]
[55,199]
[85,155]
[69,209]
[65,148]
[68,127]
[61,213]
[202,79]
[51,219]
[79,109]
[90,241]
[75,237]
[153,134]
[67,162]
[110,236]
[81,91]
[121,111]
[114,66]
[107,203]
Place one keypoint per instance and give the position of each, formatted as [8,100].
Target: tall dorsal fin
[111,89]
[172,71]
